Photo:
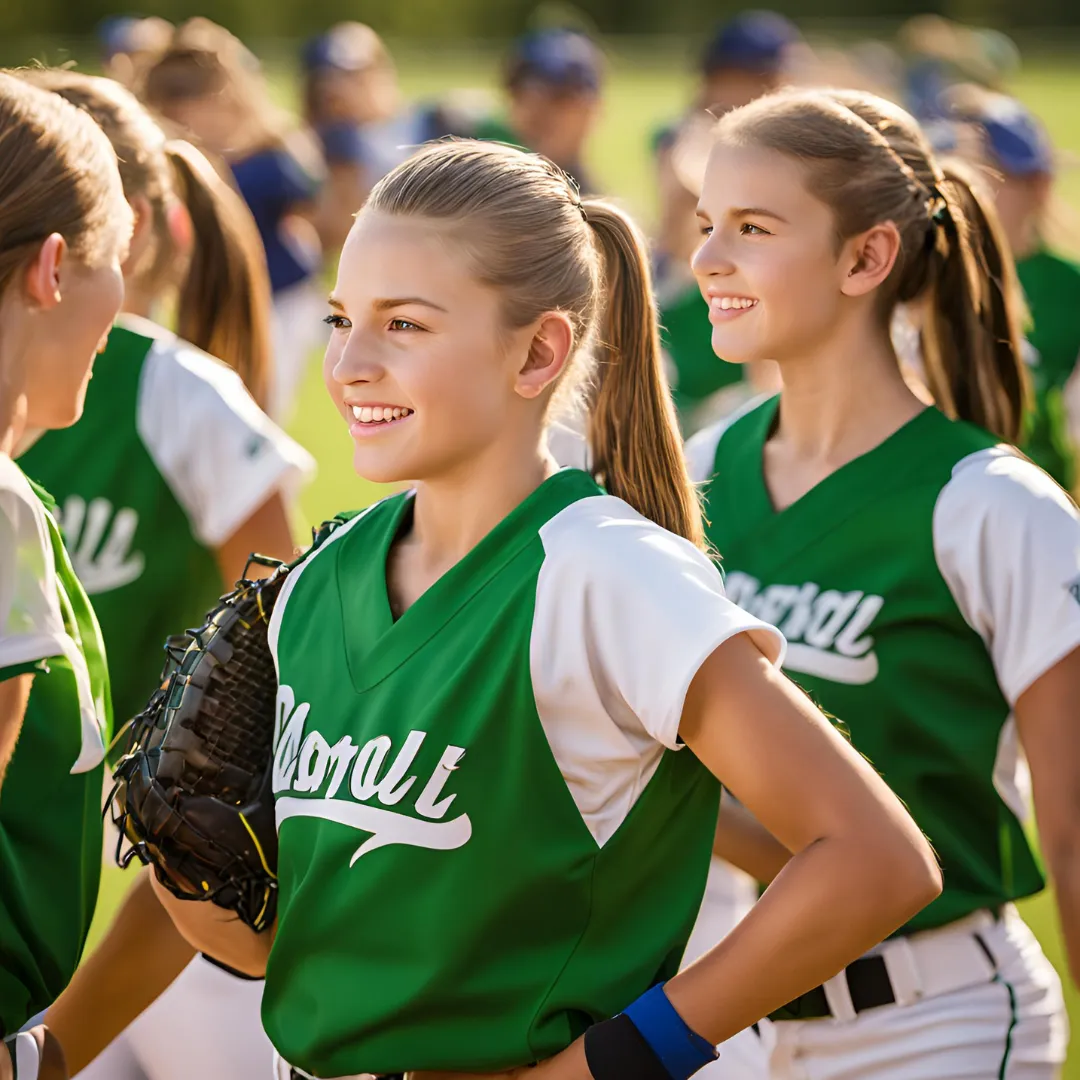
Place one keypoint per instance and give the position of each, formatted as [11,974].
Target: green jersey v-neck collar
[376,643]
[830,497]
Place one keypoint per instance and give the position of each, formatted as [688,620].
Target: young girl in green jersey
[926,576]
[490,839]
[64,232]
[173,471]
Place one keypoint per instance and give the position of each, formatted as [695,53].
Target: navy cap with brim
[1015,139]
[116,33]
[751,41]
[564,58]
[346,47]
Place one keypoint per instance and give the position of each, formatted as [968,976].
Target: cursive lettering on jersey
[366,786]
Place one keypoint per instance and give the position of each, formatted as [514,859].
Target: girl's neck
[12,421]
[454,511]
[837,404]
[13,403]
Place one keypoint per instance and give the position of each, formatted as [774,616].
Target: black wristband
[616,1050]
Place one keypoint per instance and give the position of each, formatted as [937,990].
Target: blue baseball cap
[1015,139]
[117,33]
[751,41]
[560,57]
[349,46]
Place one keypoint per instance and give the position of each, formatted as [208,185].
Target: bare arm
[1046,718]
[266,532]
[116,982]
[14,696]
[857,852]
[139,957]
[744,842]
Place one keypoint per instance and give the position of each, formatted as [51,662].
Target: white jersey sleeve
[31,624]
[1007,542]
[626,613]
[220,454]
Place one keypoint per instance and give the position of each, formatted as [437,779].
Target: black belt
[869,984]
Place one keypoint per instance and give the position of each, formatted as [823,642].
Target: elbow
[916,876]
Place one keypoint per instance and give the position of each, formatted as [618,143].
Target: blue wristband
[681,1051]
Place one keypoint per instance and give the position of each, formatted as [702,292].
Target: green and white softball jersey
[50,803]
[170,457]
[487,841]
[922,588]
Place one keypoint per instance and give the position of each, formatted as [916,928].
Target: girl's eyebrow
[401,301]
[758,211]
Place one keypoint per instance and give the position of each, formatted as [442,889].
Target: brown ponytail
[972,333]
[633,433]
[224,302]
[868,160]
[528,235]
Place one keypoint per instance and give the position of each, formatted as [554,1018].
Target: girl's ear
[43,274]
[549,351]
[868,259]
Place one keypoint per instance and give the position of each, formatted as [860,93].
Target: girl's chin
[386,473]
[731,352]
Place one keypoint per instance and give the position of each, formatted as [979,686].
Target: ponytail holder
[580,208]
[937,206]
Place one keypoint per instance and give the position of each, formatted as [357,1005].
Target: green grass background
[643,92]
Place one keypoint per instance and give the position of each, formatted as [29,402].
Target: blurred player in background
[64,233]
[554,79]
[751,54]
[1021,166]
[209,84]
[128,44]
[172,473]
[353,103]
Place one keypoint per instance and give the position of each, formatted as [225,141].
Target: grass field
[641,95]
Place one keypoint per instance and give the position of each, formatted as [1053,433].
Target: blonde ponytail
[633,432]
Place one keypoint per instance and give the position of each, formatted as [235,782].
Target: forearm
[140,955]
[830,903]
[1064,868]
[745,843]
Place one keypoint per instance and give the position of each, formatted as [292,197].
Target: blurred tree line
[501,18]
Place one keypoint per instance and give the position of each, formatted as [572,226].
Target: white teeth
[736,303]
[378,414]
